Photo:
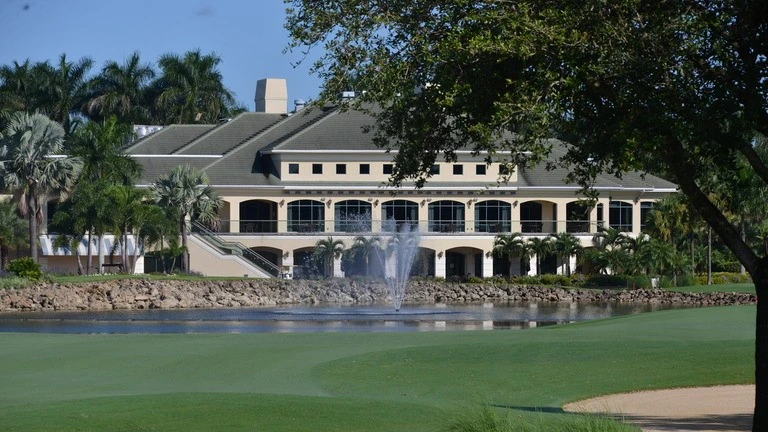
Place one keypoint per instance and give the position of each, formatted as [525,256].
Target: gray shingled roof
[167,139]
[154,167]
[231,134]
[245,144]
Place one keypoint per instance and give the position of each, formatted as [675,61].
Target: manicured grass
[366,382]
[732,287]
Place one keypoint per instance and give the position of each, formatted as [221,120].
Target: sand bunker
[703,409]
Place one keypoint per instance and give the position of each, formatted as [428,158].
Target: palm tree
[541,247]
[608,238]
[121,91]
[31,168]
[129,210]
[19,87]
[186,192]
[65,87]
[12,230]
[191,89]
[566,245]
[366,247]
[326,251]
[99,145]
[511,246]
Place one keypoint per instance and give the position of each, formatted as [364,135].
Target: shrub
[620,281]
[26,268]
[723,278]
[13,282]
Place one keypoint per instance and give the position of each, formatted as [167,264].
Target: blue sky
[247,35]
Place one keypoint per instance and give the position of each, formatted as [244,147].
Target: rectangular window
[293,168]
[458,169]
[435,170]
[365,168]
[341,168]
[387,168]
[480,169]
[317,168]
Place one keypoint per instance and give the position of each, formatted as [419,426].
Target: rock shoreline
[174,294]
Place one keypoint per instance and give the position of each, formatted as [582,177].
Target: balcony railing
[425,227]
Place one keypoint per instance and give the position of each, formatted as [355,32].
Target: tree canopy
[678,87]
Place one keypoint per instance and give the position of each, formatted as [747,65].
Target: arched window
[446,216]
[352,216]
[397,213]
[306,216]
[258,216]
[620,215]
[493,216]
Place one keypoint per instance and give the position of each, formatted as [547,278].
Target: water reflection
[300,319]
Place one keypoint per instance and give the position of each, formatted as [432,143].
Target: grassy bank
[350,381]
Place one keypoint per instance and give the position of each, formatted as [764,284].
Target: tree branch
[755,161]
[685,171]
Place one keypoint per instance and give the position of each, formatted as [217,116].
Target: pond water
[288,319]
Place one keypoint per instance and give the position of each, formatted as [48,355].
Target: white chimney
[271,96]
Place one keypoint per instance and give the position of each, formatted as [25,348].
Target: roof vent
[300,104]
[347,95]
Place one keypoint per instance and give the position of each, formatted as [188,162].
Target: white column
[440,264]
[636,220]
[561,217]
[337,267]
[487,265]
[469,264]
[532,266]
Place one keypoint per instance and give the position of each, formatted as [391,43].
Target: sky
[248,35]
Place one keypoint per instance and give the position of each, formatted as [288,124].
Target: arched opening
[424,263]
[493,216]
[352,216]
[270,254]
[364,257]
[446,216]
[306,216]
[304,267]
[577,215]
[397,214]
[531,217]
[258,216]
[620,215]
[463,262]
[503,267]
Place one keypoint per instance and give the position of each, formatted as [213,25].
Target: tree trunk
[693,256]
[100,239]
[760,417]
[709,256]
[76,247]
[89,264]
[743,227]
[511,263]
[4,251]
[184,252]
[32,214]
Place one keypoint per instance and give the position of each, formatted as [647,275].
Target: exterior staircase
[259,266]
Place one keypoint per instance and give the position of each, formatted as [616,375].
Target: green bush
[723,278]
[13,282]
[26,268]
[622,281]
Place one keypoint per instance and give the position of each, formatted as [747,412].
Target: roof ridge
[209,132]
[245,142]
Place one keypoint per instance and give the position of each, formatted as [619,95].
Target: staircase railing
[235,248]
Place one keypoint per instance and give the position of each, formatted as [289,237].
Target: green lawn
[732,287]
[354,381]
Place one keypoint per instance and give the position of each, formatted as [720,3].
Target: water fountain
[397,258]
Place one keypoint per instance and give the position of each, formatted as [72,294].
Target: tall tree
[121,91]
[679,87]
[191,88]
[99,145]
[186,192]
[19,88]
[65,87]
[13,229]
[32,166]
[366,248]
